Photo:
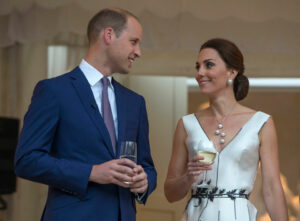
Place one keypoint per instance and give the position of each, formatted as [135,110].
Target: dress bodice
[235,167]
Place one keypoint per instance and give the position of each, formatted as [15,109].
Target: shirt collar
[92,74]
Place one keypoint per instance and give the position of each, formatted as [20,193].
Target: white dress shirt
[94,78]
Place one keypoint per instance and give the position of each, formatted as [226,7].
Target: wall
[166,100]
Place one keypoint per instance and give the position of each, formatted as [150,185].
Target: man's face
[126,48]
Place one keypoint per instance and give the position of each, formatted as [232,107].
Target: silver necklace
[220,130]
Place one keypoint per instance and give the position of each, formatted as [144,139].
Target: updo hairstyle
[233,58]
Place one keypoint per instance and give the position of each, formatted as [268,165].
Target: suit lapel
[121,112]
[87,99]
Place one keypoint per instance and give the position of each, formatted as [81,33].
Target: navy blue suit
[64,135]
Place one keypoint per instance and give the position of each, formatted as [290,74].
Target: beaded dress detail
[232,176]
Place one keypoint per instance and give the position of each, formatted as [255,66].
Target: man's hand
[114,171]
[140,181]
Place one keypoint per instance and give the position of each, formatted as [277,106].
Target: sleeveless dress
[232,176]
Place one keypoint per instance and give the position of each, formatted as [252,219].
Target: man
[75,125]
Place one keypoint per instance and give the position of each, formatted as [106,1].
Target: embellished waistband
[201,193]
[210,194]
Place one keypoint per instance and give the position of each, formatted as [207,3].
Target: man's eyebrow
[135,39]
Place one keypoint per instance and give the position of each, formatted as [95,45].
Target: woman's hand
[196,166]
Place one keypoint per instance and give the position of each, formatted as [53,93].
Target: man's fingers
[140,175]
[126,162]
[124,170]
[139,181]
[121,183]
[123,174]
[138,169]
[139,187]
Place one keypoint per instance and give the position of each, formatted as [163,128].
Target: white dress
[232,176]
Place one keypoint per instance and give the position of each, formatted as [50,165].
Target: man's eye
[134,42]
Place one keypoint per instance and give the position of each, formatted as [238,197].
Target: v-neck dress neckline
[232,139]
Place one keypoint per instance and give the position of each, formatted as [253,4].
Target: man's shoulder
[126,91]
[57,80]
[58,83]
[75,73]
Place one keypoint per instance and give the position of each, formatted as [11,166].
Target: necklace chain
[220,129]
[225,116]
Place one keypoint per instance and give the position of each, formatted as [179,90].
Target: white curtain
[9,92]
[21,66]
[268,32]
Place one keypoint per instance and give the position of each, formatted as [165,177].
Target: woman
[239,136]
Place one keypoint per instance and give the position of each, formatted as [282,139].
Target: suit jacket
[64,135]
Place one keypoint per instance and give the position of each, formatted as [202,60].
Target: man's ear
[108,34]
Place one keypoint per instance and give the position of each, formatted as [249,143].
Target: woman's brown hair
[234,59]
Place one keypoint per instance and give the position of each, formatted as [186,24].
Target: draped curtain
[268,32]
[26,21]
[9,83]
[21,66]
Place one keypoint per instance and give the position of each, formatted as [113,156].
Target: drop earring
[229,81]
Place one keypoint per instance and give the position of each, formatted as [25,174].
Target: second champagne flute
[129,150]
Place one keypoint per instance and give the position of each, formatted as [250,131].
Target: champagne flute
[206,150]
[129,151]
[209,157]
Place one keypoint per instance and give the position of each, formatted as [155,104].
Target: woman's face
[212,73]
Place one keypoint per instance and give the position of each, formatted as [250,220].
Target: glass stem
[205,176]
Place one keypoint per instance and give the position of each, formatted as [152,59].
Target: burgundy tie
[107,114]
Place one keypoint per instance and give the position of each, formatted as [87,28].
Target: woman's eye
[209,64]
[197,67]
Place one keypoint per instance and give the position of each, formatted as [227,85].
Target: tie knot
[105,81]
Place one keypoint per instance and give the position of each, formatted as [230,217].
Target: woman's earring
[229,81]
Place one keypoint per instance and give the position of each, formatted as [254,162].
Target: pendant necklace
[220,130]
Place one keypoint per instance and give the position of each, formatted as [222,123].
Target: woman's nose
[200,72]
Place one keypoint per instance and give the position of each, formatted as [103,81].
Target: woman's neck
[221,106]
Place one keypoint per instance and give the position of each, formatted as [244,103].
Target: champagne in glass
[209,157]
[129,151]
[205,149]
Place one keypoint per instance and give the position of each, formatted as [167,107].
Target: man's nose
[138,51]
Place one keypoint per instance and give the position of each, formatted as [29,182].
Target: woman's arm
[271,184]
[182,173]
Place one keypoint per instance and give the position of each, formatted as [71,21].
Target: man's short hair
[115,18]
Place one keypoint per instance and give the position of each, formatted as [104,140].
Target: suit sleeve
[144,153]
[33,158]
